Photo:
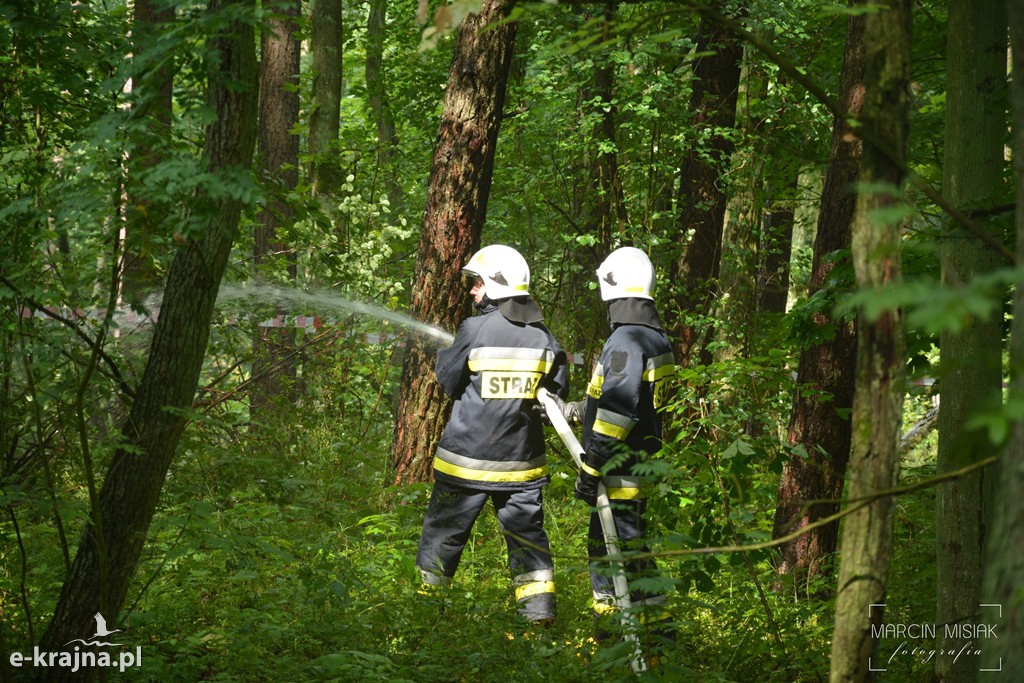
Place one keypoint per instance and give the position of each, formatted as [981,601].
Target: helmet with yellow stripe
[627,272]
[503,270]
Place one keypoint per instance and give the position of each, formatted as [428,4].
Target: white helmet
[503,270]
[627,272]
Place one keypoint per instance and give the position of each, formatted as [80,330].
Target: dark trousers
[631,528]
[449,520]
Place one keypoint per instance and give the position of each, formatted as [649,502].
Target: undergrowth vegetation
[281,552]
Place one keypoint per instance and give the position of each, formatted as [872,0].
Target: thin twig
[92,343]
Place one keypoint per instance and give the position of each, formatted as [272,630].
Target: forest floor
[292,561]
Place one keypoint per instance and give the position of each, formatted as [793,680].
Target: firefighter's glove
[586,487]
[572,412]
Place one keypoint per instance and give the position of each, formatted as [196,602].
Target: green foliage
[282,553]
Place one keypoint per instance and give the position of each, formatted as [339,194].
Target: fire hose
[608,529]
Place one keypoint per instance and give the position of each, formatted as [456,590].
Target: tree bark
[1004,562]
[460,182]
[387,138]
[325,100]
[819,424]
[608,208]
[702,198]
[881,357]
[131,489]
[273,366]
[776,245]
[152,91]
[971,358]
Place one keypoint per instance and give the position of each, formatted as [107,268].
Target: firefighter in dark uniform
[622,427]
[493,445]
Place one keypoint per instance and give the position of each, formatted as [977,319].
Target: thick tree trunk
[971,358]
[325,101]
[881,356]
[274,366]
[1004,561]
[702,198]
[819,426]
[111,545]
[460,182]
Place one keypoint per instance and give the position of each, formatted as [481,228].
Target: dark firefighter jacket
[624,395]
[494,439]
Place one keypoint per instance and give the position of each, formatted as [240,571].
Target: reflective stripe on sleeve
[659,367]
[596,382]
[612,424]
[625,488]
[489,470]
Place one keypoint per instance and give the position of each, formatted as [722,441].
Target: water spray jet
[323,300]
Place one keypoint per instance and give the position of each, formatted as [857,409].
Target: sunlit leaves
[934,308]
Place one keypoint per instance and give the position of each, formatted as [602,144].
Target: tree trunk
[776,246]
[819,426]
[273,366]
[603,204]
[460,182]
[152,91]
[702,197]
[112,542]
[387,138]
[608,208]
[881,356]
[971,358]
[1004,561]
[325,100]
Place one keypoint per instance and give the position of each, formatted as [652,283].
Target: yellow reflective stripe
[510,365]
[590,470]
[596,382]
[609,429]
[647,617]
[624,493]
[534,588]
[511,359]
[520,288]
[489,475]
[660,367]
[610,419]
[492,465]
[634,290]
